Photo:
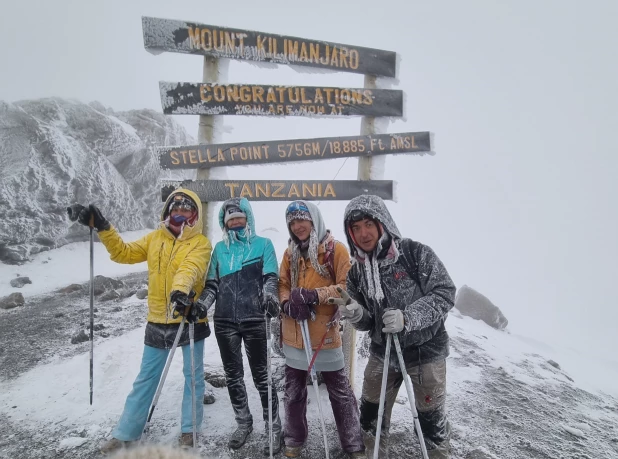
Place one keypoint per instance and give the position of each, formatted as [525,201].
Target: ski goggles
[296,206]
[182,202]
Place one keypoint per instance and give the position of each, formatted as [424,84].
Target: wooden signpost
[263,100]
[222,42]
[281,190]
[212,98]
[283,151]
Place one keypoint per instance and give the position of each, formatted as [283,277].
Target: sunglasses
[295,206]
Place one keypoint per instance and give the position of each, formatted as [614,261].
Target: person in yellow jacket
[313,266]
[177,254]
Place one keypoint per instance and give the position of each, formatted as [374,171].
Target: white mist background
[520,200]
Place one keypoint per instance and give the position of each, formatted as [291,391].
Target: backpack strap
[407,255]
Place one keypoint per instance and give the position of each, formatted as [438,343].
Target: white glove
[393,321]
[348,308]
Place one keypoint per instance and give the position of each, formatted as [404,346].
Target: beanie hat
[233,211]
[297,211]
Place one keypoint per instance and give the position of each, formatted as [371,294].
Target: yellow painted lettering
[204,90]
[329,191]
[194,38]
[354,59]
[246,191]
[174,156]
[258,94]
[277,192]
[232,186]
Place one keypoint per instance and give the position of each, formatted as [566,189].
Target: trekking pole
[387,357]
[164,375]
[411,399]
[91,226]
[193,409]
[270,395]
[304,328]
[73,213]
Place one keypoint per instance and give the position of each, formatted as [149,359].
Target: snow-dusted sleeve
[353,289]
[284,279]
[438,288]
[123,252]
[270,279]
[209,295]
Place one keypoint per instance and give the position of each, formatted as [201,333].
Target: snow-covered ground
[505,397]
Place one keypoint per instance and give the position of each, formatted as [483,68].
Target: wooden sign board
[283,151]
[251,99]
[281,190]
[194,38]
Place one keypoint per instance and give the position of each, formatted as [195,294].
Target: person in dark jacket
[243,280]
[398,286]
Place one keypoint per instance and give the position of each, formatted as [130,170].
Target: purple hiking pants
[342,400]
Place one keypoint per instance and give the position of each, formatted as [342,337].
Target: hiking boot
[357,455]
[277,443]
[239,437]
[186,440]
[113,445]
[292,451]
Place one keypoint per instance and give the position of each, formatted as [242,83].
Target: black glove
[82,214]
[270,306]
[184,306]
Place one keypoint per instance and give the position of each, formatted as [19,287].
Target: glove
[304,295]
[183,305]
[82,214]
[393,321]
[270,306]
[205,301]
[348,308]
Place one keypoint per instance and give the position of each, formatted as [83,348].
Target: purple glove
[298,306]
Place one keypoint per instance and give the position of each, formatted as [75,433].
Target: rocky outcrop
[473,304]
[57,152]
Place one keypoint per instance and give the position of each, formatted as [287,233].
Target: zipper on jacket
[167,313]
[160,252]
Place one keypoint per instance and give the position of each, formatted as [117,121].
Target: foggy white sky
[520,199]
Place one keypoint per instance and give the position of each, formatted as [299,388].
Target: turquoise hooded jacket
[243,273]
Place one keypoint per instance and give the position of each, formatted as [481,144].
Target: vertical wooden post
[206,134]
[365,164]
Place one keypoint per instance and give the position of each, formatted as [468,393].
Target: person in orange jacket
[313,266]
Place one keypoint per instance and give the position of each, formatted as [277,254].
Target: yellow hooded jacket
[173,263]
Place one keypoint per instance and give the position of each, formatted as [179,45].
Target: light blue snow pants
[133,419]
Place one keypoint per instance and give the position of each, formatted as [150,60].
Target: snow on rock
[72,442]
[473,304]
[60,152]
[574,431]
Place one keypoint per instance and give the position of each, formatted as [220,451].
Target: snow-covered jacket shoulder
[418,284]
[173,263]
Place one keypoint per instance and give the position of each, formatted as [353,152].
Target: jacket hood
[244,205]
[188,231]
[316,217]
[374,207]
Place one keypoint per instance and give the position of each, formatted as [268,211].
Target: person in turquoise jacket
[243,281]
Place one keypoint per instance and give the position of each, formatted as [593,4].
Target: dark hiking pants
[342,400]
[229,337]
[429,385]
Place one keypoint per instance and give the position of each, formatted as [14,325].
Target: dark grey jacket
[413,279]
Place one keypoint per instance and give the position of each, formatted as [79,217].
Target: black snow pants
[229,337]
